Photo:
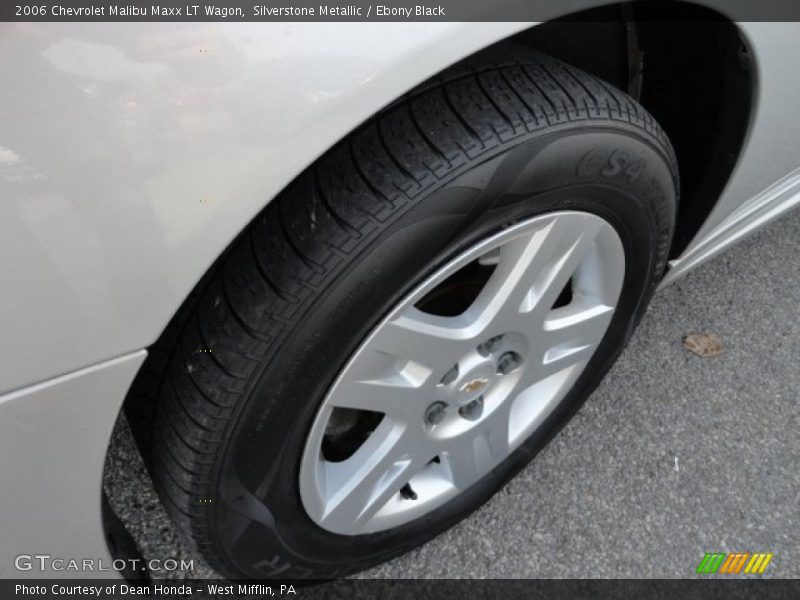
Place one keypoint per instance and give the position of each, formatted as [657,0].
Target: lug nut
[473,410]
[435,413]
[490,346]
[450,376]
[509,361]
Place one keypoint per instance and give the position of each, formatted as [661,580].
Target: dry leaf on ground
[703,344]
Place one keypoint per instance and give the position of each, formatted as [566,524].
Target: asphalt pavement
[673,456]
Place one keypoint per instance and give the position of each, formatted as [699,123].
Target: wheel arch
[692,68]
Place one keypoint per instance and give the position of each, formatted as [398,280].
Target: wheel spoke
[398,395]
[572,335]
[360,486]
[533,269]
[472,455]
[567,243]
[433,341]
[537,392]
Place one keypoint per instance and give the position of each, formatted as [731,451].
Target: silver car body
[131,154]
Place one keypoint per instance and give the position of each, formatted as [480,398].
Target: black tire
[485,144]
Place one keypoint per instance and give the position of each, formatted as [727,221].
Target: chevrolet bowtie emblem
[474,385]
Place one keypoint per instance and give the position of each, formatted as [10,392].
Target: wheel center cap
[474,383]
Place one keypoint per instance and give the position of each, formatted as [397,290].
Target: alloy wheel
[432,401]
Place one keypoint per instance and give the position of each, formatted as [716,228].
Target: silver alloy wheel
[458,394]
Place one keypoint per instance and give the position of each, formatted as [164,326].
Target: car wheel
[408,323]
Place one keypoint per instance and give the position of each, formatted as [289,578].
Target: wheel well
[688,65]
